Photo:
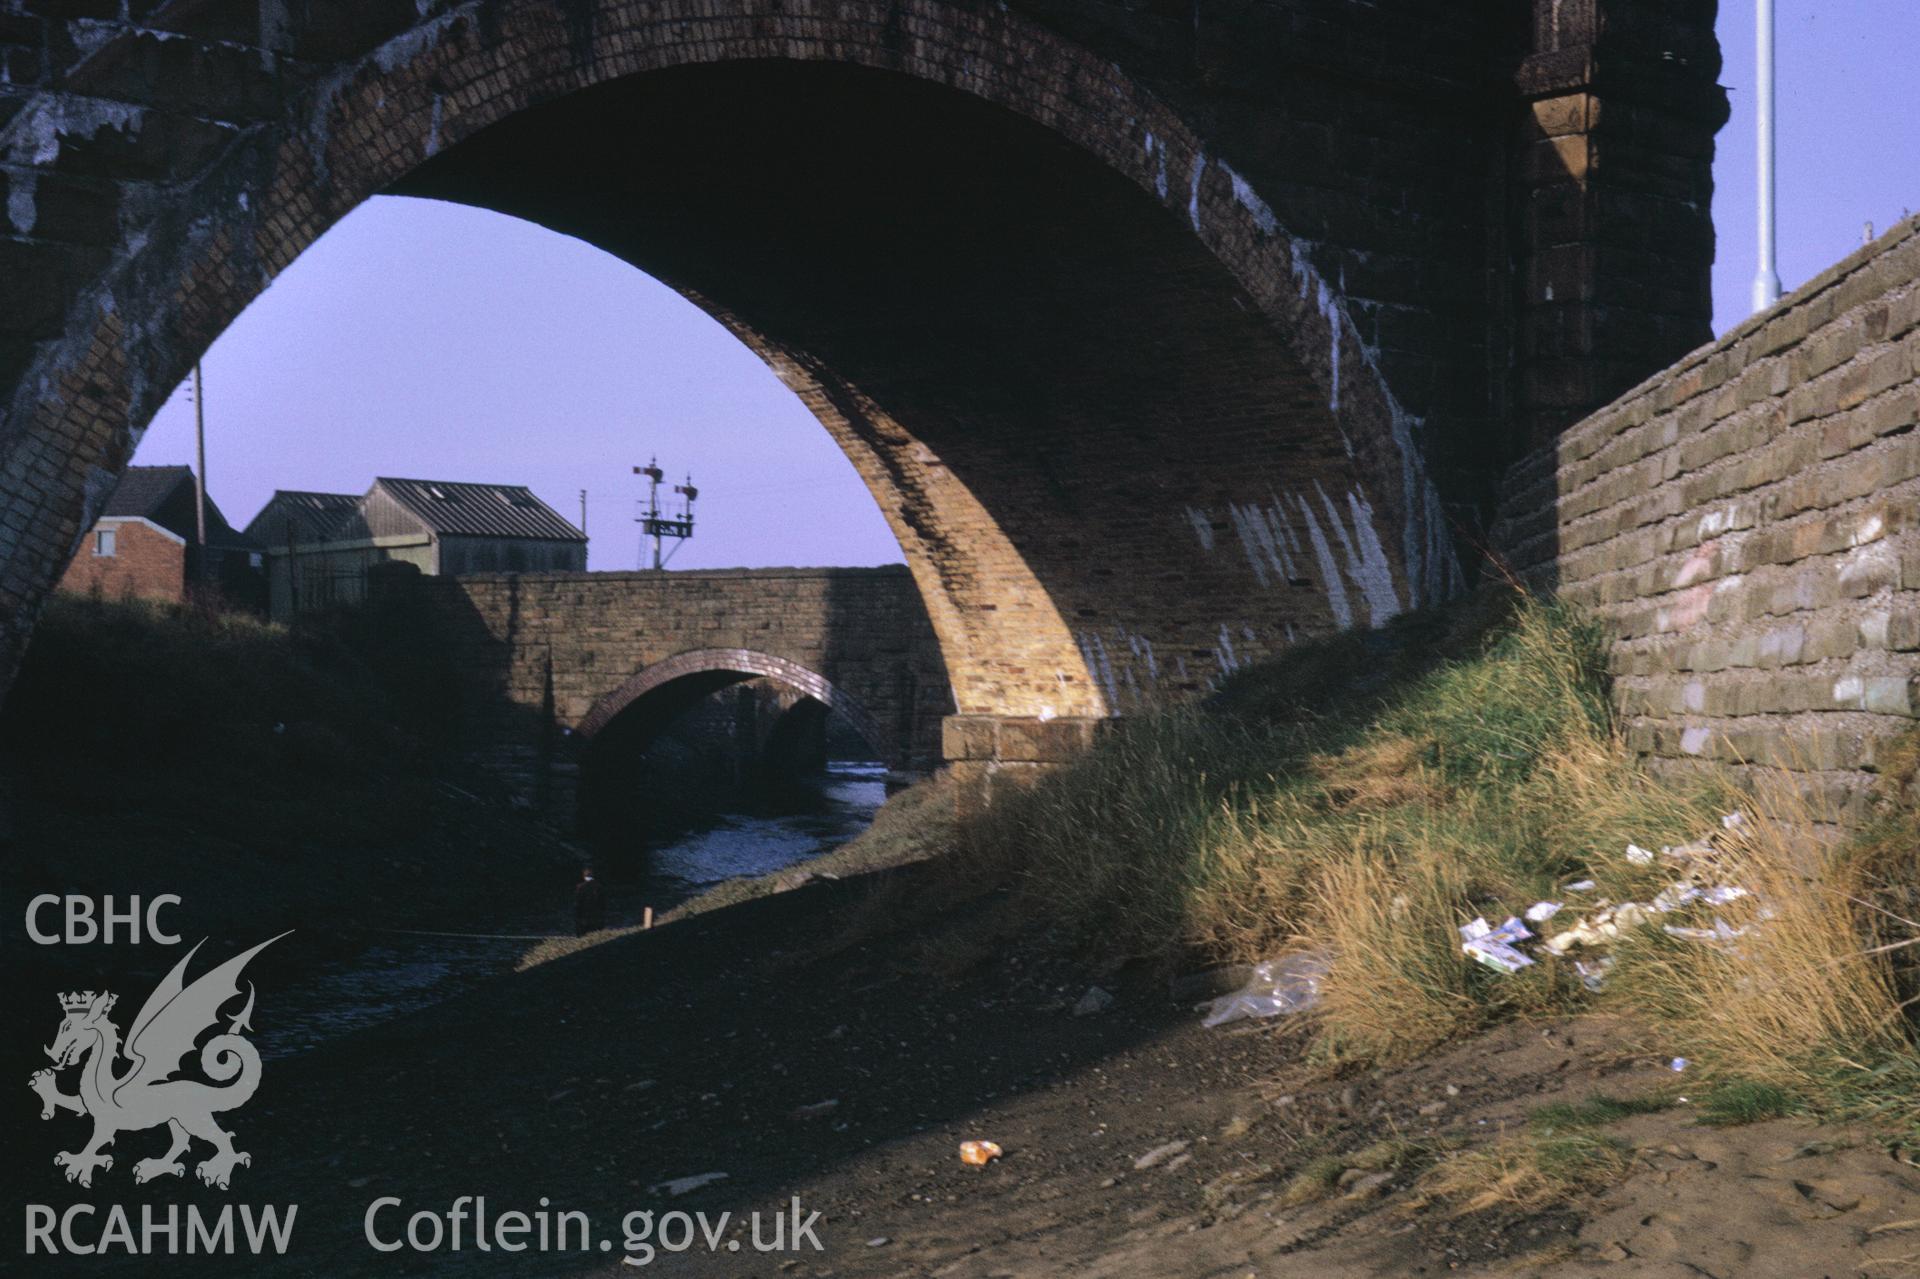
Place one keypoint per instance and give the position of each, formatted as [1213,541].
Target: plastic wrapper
[1288,984]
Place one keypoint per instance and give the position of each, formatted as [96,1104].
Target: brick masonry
[148,563]
[1200,330]
[554,660]
[1747,522]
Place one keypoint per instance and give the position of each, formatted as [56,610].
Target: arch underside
[651,699]
[1124,433]
[1082,430]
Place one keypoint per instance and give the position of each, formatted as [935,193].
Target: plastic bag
[1288,984]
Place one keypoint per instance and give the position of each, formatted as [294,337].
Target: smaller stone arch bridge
[552,662]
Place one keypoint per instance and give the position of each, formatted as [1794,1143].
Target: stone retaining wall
[1748,525]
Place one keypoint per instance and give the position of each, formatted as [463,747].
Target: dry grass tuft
[1807,1001]
[1320,1178]
[1526,1172]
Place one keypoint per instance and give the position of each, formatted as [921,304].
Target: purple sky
[434,341]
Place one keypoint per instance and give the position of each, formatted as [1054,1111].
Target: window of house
[103,541]
[255,559]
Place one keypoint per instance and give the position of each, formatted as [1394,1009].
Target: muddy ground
[732,1044]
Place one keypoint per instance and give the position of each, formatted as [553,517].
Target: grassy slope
[1367,796]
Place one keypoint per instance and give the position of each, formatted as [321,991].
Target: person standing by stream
[589,904]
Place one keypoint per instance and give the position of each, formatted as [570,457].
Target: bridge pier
[987,754]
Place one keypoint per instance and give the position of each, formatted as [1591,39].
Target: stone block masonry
[1748,525]
[553,660]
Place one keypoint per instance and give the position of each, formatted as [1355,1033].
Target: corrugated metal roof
[480,510]
[321,515]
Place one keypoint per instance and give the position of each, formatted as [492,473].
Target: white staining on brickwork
[1329,571]
[1848,691]
[1264,537]
[34,136]
[1432,567]
[411,43]
[1223,652]
[433,126]
[1694,740]
[1143,652]
[1274,552]
[1093,650]
[1193,194]
[1868,530]
[22,186]
[1157,153]
[1202,527]
[1247,198]
[1370,569]
[1333,346]
[1694,696]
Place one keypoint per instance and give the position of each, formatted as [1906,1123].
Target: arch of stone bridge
[652,698]
[1125,433]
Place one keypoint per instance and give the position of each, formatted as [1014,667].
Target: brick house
[322,548]
[143,545]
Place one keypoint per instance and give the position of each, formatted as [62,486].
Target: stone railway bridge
[561,668]
[1163,332]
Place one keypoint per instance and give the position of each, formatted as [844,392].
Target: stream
[405,973]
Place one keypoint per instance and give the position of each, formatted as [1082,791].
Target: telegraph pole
[1766,284]
[200,465]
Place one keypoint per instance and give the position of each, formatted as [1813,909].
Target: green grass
[1364,796]
[1743,1101]
[1594,1112]
[1561,1153]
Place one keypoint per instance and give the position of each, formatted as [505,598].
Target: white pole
[1766,284]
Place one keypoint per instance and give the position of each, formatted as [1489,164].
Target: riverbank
[1137,1143]
[833,1033]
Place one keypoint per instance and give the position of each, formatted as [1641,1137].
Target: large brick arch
[1197,294]
[691,669]
[1347,529]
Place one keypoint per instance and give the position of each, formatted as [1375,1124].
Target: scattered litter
[685,1185]
[1541,912]
[878,1241]
[1594,975]
[1678,1064]
[1638,855]
[1284,985]
[1720,932]
[1733,821]
[1494,947]
[979,1153]
[816,1109]
[1584,886]
[1159,1155]
[1095,1001]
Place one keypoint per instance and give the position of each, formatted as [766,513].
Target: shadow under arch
[1123,363]
[671,687]
[613,740]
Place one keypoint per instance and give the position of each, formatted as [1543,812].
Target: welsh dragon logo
[146,1095]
